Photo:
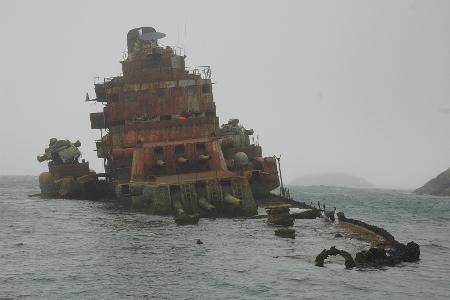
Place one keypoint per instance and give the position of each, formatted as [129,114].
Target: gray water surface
[67,249]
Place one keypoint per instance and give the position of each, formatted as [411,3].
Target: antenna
[282,190]
[185,35]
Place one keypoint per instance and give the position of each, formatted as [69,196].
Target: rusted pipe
[182,160]
[230,199]
[203,157]
[137,166]
[178,207]
[160,163]
[203,203]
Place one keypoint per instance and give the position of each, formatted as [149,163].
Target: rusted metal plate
[97,120]
[64,170]
[128,136]
[148,104]
[100,92]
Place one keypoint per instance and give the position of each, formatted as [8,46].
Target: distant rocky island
[439,186]
[333,179]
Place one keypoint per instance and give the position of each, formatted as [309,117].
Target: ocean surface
[67,249]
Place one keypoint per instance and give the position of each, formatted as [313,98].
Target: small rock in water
[338,235]
[199,242]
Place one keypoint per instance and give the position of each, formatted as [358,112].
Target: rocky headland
[439,186]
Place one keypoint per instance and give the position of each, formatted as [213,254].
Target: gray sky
[361,87]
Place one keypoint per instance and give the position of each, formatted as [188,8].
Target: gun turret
[61,152]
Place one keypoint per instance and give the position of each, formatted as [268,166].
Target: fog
[360,87]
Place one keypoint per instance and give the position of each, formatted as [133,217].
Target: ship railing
[178,50]
[102,80]
[203,71]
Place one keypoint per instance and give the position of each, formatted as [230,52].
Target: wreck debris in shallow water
[388,252]
[285,233]
[280,216]
[333,251]
[66,176]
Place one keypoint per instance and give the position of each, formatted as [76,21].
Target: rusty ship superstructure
[163,148]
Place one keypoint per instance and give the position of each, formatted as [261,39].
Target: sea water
[69,249]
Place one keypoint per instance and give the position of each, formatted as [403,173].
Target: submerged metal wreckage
[66,176]
[165,153]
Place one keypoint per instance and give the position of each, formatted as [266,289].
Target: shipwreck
[162,146]
[165,153]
